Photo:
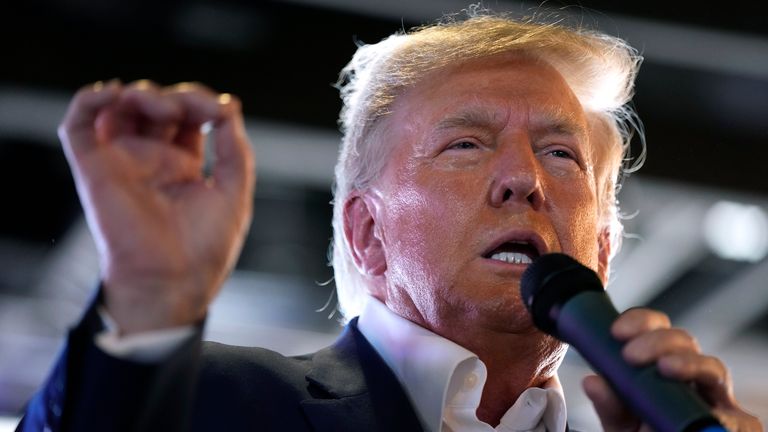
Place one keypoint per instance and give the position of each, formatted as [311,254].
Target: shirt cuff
[148,347]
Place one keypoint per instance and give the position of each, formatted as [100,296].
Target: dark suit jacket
[207,386]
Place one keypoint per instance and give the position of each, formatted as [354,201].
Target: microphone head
[549,282]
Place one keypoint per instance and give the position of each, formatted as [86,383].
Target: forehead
[491,91]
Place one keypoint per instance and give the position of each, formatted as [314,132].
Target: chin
[503,313]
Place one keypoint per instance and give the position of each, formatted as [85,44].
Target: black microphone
[567,301]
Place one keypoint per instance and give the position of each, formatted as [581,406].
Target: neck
[517,357]
[516,363]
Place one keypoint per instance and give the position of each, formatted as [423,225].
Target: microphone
[567,301]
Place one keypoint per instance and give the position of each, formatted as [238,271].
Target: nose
[516,178]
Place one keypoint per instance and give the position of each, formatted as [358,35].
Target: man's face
[491,166]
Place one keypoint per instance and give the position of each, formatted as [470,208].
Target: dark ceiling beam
[664,42]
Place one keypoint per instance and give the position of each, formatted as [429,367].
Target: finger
[234,168]
[614,415]
[200,106]
[77,130]
[148,113]
[711,376]
[147,97]
[648,347]
[200,103]
[636,321]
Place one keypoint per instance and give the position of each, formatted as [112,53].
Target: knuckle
[88,89]
[660,318]
[190,87]
[230,100]
[648,316]
[685,339]
[143,85]
[720,368]
[694,342]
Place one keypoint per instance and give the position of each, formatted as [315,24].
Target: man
[470,148]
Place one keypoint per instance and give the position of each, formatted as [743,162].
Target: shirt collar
[428,365]
[537,409]
[423,361]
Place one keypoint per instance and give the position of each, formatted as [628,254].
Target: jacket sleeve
[89,390]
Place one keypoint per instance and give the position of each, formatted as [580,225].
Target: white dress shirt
[445,381]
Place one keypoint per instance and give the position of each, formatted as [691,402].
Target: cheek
[576,223]
[406,237]
[427,225]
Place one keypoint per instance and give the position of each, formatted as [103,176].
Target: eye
[463,145]
[561,154]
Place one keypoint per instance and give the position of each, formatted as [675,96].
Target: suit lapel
[355,390]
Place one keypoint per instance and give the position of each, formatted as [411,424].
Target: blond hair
[600,69]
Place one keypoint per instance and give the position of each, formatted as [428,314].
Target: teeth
[512,257]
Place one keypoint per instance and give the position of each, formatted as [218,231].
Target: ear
[604,255]
[362,235]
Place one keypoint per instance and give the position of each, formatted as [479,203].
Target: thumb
[614,415]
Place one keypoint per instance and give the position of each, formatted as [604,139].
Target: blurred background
[697,231]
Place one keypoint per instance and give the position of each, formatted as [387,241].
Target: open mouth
[514,252]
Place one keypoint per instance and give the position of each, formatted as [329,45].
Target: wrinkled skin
[492,149]
[478,162]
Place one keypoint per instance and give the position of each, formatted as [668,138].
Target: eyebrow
[559,123]
[549,121]
[469,118]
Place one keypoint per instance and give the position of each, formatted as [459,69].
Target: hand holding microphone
[567,300]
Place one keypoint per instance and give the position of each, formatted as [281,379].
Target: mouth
[520,250]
